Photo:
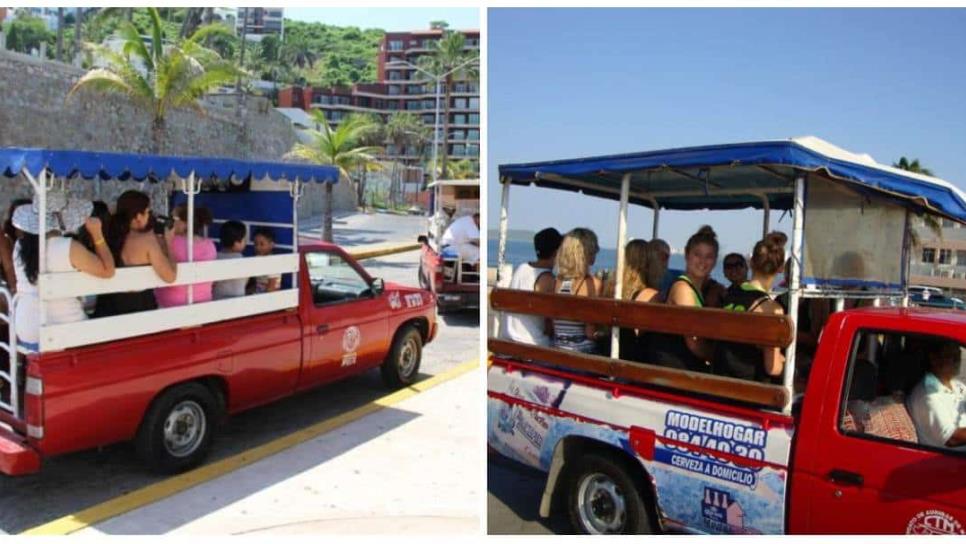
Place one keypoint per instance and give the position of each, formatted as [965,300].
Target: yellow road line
[165,488]
[382,250]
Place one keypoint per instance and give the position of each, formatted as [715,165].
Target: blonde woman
[635,287]
[576,255]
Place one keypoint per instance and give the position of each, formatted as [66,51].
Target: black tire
[601,478]
[402,364]
[173,418]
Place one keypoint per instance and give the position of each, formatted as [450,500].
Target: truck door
[866,469]
[347,320]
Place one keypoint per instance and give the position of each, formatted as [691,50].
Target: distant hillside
[517,235]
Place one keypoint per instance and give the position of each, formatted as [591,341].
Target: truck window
[333,279]
[892,391]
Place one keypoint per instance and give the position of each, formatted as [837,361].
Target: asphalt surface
[70,483]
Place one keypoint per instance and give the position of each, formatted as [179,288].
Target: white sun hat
[64,214]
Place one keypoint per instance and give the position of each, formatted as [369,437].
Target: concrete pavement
[411,468]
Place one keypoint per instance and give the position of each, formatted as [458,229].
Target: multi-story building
[259,22]
[940,261]
[401,87]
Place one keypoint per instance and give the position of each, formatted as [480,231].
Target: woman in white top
[63,255]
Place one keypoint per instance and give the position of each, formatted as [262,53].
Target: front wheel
[602,498]
[402,365]
[177,430]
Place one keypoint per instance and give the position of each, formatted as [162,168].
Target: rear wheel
[177,430]
[402,365]
[602,498]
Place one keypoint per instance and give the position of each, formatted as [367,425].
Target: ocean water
[518,252]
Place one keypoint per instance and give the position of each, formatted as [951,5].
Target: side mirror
[377,286]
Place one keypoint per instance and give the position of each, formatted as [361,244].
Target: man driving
[937,403]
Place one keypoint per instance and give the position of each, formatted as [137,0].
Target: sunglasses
[734,265]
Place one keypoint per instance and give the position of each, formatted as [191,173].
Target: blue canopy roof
[125,166]
[734,176]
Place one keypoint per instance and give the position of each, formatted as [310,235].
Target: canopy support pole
[657,217]
[615,332]
[295,189]
[794,286]
[190,190]
[501,250]
[839,304]
[766,206]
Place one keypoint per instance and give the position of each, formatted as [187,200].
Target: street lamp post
[439,79]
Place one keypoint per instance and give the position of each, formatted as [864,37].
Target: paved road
[73,482]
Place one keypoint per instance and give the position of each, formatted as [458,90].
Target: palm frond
[157,34]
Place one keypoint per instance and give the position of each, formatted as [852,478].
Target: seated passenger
[746,361]
[63,255]
[133,243]
[263,239]
[736,270]
[8,238]
[937,404]
[688,352]
[464,236]
[233,242]
[634,287]
[532,329]
[576,255]
[203,249]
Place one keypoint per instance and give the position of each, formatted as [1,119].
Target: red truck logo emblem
[351,339]
[934,522]
[394,300]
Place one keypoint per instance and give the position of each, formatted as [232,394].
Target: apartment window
[395,75]
[427,44]
[391,149]
[471,42]
[473,150]
[394,89]
[392,105]
[429,104]
[945,256]
[474,103]
[429,119]
[473,135]
[928,255]
[395,45]
[459,103]
[474,118]
[961,257]
[459,150]
[414,89]
[947,224]
[459,119]
[457,135]
[413,105]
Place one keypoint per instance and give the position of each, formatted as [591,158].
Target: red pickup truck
[168,391]
[626,457]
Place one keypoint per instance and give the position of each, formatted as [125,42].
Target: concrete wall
[35,112]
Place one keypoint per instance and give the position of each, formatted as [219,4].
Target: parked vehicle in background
[455,283]
[165,378]
[633,447]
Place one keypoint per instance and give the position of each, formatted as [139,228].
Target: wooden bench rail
[712,323]
[772,396]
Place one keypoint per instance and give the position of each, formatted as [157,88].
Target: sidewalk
[409,468]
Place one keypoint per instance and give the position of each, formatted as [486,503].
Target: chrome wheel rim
[184,428]
[408,358]
[600,504]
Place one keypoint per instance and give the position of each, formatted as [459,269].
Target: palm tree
[448,55]
[464,169]
[912,166]
[338,147]
[404,129]
[60,34]
[159,77]
[298,52]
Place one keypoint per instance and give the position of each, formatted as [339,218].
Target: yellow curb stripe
[165,488]
[381,251]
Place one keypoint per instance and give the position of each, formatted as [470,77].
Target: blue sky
[388,18]
[566,83]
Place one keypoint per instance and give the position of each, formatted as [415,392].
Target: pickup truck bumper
[457,300]
[17,458]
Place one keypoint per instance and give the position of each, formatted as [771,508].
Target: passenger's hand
[93,226]
[168,234]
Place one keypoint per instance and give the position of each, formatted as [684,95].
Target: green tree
[158,77]
[464,169]
[299,52]
[451,61]
[26,32]
[340,148]
[912,166]
[270,48]
[404,129]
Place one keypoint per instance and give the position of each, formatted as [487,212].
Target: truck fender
[556,467]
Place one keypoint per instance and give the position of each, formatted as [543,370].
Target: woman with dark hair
[64,254]
[10,236]
[134,244]
[745,361]
[203,249]
[688,352]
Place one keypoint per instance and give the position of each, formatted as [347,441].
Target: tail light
[34,406]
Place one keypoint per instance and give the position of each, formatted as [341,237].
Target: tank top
[127,302]
[27,311]
[736,359]
[670,350]
[633,343]
[568,334]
